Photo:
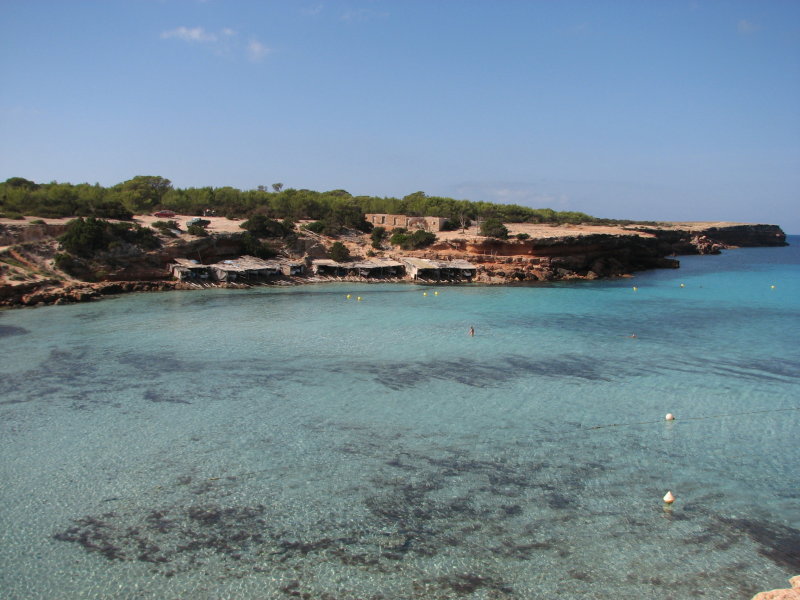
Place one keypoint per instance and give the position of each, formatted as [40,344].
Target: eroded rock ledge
[792,593]
[582,255]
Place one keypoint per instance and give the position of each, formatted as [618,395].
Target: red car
[164,213]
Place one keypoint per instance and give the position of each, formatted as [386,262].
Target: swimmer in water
[472,332]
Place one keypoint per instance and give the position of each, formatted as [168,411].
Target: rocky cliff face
[21,234]
[711,240]
[589,256]
[569,257]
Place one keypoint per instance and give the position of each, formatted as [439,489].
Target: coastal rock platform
[792,593]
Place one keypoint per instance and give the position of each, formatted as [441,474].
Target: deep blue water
[271,443]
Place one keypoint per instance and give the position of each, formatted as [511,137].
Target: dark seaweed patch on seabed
[62,370]
[9,330]
[156,396]
[473,373]
[778,370]
[779,543]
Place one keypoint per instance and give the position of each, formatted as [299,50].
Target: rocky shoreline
[792,593]
[573,255]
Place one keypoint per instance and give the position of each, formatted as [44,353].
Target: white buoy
[635,288]
[669,498]
[670,417]
[682,285]
[772,287]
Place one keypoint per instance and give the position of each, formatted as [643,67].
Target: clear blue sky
[669,110]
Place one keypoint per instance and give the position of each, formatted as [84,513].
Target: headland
[35,270]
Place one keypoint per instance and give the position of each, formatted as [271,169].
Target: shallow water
[293,443]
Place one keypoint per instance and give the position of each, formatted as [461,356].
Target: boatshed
[245,269]
[185,269]
[325,267]
[422,268]
[461,269]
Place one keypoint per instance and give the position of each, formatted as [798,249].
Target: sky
[649,110]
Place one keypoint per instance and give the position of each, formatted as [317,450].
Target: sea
[351,441]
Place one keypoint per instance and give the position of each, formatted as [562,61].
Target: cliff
[568,257]
[31,273]
[695,239]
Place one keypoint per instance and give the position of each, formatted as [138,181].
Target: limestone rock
[782,594]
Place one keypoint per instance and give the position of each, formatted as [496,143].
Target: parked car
[167,214]
[198,221]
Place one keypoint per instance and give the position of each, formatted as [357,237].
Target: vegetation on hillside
[334,209]
[411,241]
[86,237]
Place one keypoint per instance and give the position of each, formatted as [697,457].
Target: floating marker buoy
[348,296]
[682,285]
[424,293]
[635,288]
[669,498]
[359,298]
[772,287]
[670,417]
[435,293]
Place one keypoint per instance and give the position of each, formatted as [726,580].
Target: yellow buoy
[424,293]
[359,298]
[682,285]
[635,288]
[348,296]
[670,417]
[772,287]
[435,293]
[669,498]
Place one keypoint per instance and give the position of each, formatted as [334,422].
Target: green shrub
[451,225]
[412,241]
[84,237]
[38,222]
[494,228]
[254,247]
[339,252]
[523,236]
[262,226]
[378,234]
[315,227]
[197,230]
[165,225]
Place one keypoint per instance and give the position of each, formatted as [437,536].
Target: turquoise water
[276,443]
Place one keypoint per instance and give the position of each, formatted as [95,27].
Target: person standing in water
[472,331]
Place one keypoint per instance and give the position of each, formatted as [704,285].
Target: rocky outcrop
[711,240]
[50,292]
[569,257]
[128,268]
[21,234]
[784,594]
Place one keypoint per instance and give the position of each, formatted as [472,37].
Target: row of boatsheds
[249,269]
[243,269]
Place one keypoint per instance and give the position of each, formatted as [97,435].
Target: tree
[142,193]
[339,252]
[494,228]
[277,187]
[261,226]
[378,233]
[412,241]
